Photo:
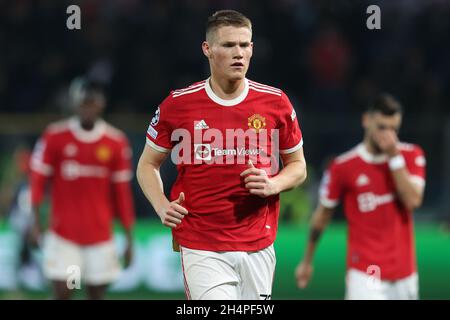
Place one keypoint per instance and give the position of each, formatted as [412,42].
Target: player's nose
[238,53]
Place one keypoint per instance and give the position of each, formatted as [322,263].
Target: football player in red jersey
[224,134]
[380,181]
[87,163]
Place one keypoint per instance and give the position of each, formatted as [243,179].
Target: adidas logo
[201,125]
[362,180]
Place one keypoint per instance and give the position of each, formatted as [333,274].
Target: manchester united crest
[257,122]
[103,153]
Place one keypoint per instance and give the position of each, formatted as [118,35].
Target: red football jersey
[211,141]
[380,228]
[89,173]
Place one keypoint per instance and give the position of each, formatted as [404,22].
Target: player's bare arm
[292,175]
[148,175]
[319,221]
[410,193]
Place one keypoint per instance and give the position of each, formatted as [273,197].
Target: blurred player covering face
[382,125]
[380,182]
[228,47]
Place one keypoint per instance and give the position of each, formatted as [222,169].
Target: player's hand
[257,182]
[387,141]
[303,274]
[173,213]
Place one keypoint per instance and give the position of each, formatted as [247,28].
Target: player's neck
[370,148]
[226,89]
[87,125]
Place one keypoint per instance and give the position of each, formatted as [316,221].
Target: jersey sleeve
[331,186]
[122,168]
[160,128]
[416,164]
[291,138]
[43,162]
[120,177]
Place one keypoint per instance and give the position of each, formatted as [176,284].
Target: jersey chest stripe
[262,86]
[265,91]
[189,88]
[187,92]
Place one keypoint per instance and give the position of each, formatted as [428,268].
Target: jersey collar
[368,157]
[223,102]
[87,136]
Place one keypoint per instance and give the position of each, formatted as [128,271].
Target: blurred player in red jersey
[381,181]
[87,162]
[224,204]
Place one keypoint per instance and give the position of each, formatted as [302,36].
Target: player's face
[91,109]
[229,52]
[376,124]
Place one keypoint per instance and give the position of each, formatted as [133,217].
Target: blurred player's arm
[42,165]
[38,183]
[409,192]
[123,196]
[149,178]
[125,208]
[291,176]
[124,204]
[319,221]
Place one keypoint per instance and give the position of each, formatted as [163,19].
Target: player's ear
[206,49]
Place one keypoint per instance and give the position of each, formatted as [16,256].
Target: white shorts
[231,275]
[97,264]
[362,286]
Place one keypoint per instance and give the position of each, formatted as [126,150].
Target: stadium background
[319,52]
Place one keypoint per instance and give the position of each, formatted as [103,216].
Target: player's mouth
[237,65]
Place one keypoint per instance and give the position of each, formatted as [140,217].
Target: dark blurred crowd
[320,52]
